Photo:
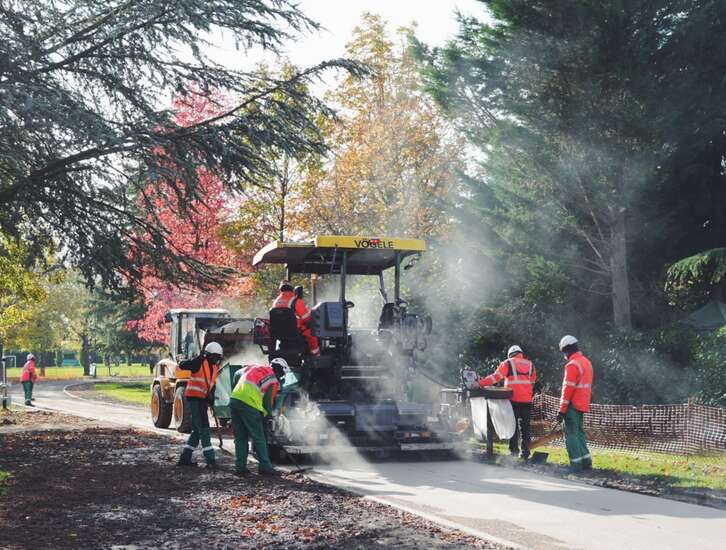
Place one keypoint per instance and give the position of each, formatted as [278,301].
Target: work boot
[186,462]
[212,465]
[242,473]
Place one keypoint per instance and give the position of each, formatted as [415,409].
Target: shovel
[540,457]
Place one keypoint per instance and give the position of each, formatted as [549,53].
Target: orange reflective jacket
[28,373]
[577,383]
[288,299]
[201,381]
[518,373]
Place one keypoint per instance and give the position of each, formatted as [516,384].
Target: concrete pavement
[515,506]
[531,510]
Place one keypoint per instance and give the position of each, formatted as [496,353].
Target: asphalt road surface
[517,507]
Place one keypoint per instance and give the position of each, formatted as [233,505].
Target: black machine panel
[329,320]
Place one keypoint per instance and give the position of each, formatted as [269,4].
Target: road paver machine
[355,393]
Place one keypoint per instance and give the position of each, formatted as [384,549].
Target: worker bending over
[519,374]
[288,299]
[28,378]
[199,392]
[575,402]
[253,398]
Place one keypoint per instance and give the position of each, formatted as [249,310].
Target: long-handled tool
[556,433]
[216,423]
[300,469]
[539,457]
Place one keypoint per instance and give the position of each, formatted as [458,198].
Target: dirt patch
[102,488]
[13,420]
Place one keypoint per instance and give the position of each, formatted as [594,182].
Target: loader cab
[187,329]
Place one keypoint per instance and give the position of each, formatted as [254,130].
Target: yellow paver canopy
[365,255]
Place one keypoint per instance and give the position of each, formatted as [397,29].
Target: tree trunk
[619,272]
[85,350]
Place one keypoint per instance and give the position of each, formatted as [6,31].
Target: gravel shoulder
[83,485]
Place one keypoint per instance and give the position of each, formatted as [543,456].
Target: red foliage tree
[196,234]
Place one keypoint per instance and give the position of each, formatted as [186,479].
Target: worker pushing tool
[575,402]
[288,299]
[199,391]
[253,398]
[519,374]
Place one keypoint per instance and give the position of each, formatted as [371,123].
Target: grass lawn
[61,373]
[673,470]
[134,392]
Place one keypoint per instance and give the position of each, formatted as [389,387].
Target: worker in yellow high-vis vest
[252,399]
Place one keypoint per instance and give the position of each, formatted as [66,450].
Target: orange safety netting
[687,429]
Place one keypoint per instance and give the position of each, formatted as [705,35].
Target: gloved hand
[560,418]
[471,379]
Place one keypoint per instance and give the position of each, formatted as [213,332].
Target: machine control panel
[329,320]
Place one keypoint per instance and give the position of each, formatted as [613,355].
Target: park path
[521,508]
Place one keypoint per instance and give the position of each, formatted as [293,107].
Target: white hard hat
[567,340]
[31,356]
[280,361]
[213,348]
[514,349]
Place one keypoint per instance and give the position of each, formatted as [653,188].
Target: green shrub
[710,368]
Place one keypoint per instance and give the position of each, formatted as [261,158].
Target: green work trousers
[575,440]
[28,391]
[248,424]
[200,431]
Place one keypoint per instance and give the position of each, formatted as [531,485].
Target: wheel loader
[191,330]
[355,394]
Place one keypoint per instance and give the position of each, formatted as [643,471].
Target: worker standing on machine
[199,390]
[575,402]
[519,374]
[28,377]
[288,299]
[252,399]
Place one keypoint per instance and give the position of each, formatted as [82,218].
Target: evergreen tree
[560,98]
[84,125]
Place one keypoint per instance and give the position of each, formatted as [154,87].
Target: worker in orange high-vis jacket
[519,374]
[287,298]
[198,393]
[575,402]
[28,377]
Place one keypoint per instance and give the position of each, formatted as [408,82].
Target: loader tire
[161,411]
[182,412]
